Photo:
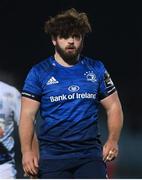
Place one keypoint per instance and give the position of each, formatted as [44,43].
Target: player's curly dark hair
[68,23]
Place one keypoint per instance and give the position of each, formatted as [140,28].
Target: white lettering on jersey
[64,97]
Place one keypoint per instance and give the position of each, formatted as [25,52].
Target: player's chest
[71,81]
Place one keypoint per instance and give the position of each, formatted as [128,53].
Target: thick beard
[70,58]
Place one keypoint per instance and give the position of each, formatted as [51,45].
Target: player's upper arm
[111,101]
[29,108]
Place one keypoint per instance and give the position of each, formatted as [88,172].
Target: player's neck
[62,62]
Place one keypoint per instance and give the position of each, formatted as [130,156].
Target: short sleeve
[106,86]
[32,88]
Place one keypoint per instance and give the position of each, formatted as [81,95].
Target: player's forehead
[70,34]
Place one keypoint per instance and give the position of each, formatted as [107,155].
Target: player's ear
[53,40]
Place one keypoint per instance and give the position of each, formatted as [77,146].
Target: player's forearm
[29,109]
[115,123]
[35,146]
[26,132]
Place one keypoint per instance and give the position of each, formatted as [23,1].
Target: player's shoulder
[5,87]
[94,62]
[43,65]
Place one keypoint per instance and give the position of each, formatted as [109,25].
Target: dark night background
[116,40]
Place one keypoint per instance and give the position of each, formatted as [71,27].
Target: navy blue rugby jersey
[69,98]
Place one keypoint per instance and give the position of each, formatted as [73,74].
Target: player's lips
[70,48]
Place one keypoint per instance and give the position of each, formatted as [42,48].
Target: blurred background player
[10,104]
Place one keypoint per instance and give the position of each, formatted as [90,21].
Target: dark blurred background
[116,40]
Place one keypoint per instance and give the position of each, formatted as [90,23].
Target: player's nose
[70,40]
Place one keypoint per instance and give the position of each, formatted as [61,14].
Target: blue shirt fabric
[69,98]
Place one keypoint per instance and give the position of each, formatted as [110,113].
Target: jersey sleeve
[106,86]
[32,88]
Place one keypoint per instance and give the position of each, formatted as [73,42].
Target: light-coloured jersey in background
[10,105]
